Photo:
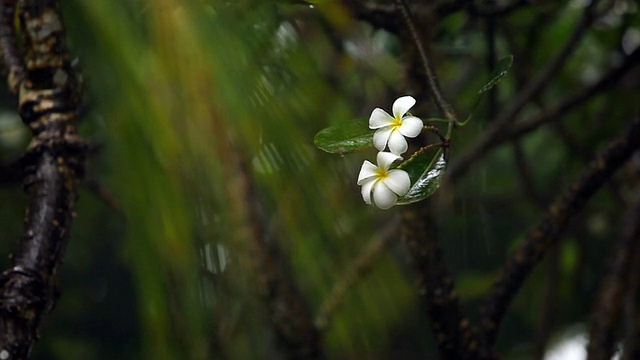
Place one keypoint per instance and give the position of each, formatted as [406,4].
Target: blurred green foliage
[179,92]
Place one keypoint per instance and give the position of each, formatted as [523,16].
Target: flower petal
[379,118]
[411,126]
[367,171]
[397,143]
[385,159]
[381,136]
[383,197]
[366,190]
[398,181]
[402,105]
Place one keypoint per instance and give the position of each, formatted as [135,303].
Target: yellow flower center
[397,122]
[382,173]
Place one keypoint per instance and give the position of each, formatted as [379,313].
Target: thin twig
[432,79]
[545,234]
[103,194]
[356,271]
[499,127]
[539,82]
[500,132]
[606,82]
[10,54]
[609,305]
[525,174]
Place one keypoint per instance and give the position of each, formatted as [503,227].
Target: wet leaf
[345,138]
[425,171]
[498,73]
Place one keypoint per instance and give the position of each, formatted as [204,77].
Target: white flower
[391,130]
[385,185]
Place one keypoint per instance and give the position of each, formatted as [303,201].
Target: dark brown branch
[609,305]
[548,305]
[525,174]
[297,337]
[501,131]
[432,79]
[357,270]
[52,163]
[539,82]
[631,348]
[550,289]
[606,82]
[499,128]
[545,234]
[455,337]
[12,63]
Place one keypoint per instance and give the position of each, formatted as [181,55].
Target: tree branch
[297,337]
[432,79]
[609,305]
[564,207]
[47,101]
[500,131]
[358,269]
[455,337]
[631,316]
[10,55]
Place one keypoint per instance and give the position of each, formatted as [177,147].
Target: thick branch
[631,316]
[609,305]
[545,234]
[12,63]
[454,335]
[52,162]
[500,131]
[297,337]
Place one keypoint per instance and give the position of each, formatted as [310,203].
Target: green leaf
[498,73]
[346,137]
[425,171]
[502,67]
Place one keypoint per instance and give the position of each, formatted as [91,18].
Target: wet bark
[47,89]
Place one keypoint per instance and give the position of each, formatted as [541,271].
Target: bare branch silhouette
[564,207]
[501,130]
[357,270]
[609,305]
[454,334]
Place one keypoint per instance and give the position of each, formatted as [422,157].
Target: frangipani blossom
[391,130]
[382,184]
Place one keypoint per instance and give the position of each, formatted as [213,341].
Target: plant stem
[432,80]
